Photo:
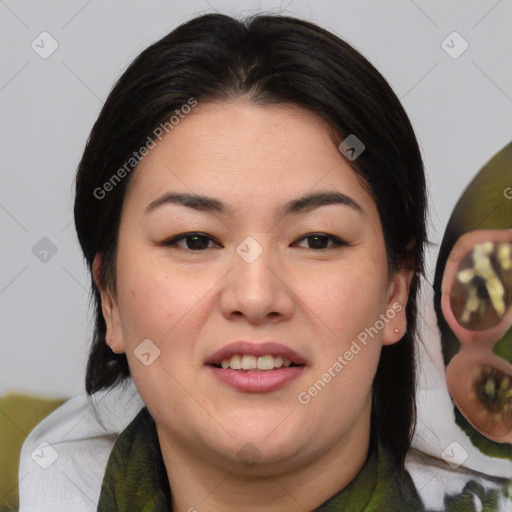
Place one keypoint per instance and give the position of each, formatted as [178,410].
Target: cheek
[152,298]
[157,304]
[146,305]
[348,310]
[350,300]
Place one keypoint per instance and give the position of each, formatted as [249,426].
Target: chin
[269,444]
[261,456]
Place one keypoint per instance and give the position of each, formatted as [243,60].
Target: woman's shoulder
[63,459]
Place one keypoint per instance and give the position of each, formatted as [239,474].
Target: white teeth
[265,363]
[249,362]
[236,362]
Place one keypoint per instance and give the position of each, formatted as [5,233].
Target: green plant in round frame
[473,303]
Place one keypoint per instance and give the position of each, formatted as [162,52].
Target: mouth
[253,367]
[250,363]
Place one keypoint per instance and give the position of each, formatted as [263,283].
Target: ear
[395,319]
[114,335]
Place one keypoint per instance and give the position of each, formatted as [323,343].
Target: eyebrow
[305,203]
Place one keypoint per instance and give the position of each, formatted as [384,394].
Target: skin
[191,303]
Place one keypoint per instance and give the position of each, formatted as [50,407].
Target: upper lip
[255,349]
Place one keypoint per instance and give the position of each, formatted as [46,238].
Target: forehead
[248,153]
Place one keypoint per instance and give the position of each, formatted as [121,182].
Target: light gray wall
[461,109]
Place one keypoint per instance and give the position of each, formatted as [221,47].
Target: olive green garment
[136,479]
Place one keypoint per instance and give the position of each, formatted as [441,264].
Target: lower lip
[257,381]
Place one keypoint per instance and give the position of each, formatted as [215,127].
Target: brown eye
[190,241]
[482,289]
[321,241]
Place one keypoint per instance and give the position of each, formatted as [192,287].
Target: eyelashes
[199,242]
[336,241]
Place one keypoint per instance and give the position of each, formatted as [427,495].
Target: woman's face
[307,283]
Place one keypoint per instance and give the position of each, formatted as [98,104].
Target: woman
[251,205]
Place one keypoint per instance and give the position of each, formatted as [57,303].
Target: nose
[257,287]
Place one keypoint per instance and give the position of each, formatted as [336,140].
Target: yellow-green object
[485,204]
[19,414]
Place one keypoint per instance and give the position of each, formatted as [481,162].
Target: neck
[199,485]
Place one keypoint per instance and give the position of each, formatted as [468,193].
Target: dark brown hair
[268,59]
